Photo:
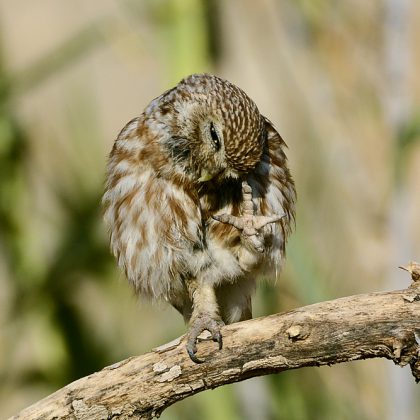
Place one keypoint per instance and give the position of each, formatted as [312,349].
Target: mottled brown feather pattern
[160,216]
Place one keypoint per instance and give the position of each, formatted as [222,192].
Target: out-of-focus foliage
[73,73]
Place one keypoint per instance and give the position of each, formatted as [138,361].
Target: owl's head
[216,129]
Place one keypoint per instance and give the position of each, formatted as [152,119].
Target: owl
[199,202]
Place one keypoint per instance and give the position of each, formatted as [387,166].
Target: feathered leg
[205,316]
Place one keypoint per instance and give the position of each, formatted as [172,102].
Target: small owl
[199,201]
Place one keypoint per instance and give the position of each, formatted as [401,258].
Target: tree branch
[342,330]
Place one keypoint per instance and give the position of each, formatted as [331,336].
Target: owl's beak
[205,176]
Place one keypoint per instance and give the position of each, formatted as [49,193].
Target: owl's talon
[249,223]
[200,324]
[218,339]
[191,352]
[251,252]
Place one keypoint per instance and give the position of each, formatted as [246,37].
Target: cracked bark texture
[352,328]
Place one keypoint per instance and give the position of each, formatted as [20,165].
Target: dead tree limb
[342,330]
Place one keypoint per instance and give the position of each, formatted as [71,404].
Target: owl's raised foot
[249,223]
[203,322]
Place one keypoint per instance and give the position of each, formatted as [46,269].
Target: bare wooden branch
[351,328]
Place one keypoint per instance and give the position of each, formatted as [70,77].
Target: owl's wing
[274,194]
[153,221]
[280,177]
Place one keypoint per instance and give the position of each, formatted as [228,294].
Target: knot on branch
[297,332]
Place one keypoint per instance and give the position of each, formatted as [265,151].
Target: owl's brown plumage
[188,184]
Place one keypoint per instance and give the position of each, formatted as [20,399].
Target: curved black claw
[200,324]
[218,339]
[191,352]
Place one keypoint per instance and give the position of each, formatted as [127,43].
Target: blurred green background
[341,82]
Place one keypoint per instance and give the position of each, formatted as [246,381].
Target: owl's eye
[214,136]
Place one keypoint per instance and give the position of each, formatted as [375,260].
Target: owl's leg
[205,316]
[249,223]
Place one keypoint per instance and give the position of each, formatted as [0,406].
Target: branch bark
[352,328]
